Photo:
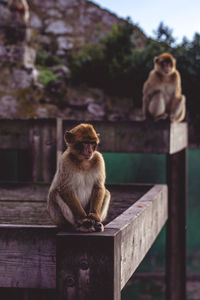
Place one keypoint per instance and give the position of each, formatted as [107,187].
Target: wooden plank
[26,204]
[48,162]
[176,227]
[123,136]
[27,253]
[36,152]
[139,226]
[178,137]
[14,135]
[128,137]
[27,257]
[59,138]
[91,271]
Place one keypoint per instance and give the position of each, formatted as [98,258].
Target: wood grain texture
[178,137]
[27,257]
[25,204]
[28,252]
[176,227]
[123,136]
[90,271]
[139,226]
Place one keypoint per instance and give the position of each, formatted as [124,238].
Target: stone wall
[61,26]
[56,27]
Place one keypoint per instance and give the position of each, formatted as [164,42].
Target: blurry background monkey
[162,95]
[77,194]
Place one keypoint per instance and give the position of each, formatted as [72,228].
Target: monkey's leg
[72,212]
[96,202]
[157,107]
[103,212]
[59,210]
[81,221]
[178,110]
[105,206]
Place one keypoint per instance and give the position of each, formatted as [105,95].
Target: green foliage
[116,64]
[46,76]
[108,64]
[119,67]
[46,59]
[164,34]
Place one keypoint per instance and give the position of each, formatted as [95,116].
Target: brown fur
[79,184]
[162,96]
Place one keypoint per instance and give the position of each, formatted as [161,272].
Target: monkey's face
[82,141]
[85,150]
[166,66]
[164,63]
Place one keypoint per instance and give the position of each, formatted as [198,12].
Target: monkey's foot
[98,227]
[85,230]
[85,225]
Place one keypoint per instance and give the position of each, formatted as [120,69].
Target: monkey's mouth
[167,70]
[87,156]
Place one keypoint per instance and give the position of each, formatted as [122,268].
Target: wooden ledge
[118,136]
[136,216]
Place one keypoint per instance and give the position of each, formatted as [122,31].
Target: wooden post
[36,153]
[59,137]
[88,266]
[176,226]
[48,152]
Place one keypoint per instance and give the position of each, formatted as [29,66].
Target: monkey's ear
[155,60]
[98,135]
[68,137]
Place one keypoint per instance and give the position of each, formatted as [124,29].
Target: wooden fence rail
[111,255]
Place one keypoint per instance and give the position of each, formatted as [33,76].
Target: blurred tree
[120,68]
[164,34]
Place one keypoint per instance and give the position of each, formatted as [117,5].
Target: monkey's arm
[177,108]
[151,86]
[70,199]
[96,202]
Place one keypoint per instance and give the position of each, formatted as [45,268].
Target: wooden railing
[38,256]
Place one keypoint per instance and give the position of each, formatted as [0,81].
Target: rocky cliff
[57,28]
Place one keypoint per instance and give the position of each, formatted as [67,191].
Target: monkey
[77,194]
[162,96]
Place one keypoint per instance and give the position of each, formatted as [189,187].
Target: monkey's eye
[89,143]
[79,146]
[166,62]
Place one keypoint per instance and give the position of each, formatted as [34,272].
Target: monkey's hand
[94,217]
[85,225]
[98,227]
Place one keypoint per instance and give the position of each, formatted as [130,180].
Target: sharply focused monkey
[162,97]
[77,194]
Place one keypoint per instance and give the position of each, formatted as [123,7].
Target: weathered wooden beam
[178,137]
[131,234]
[103,263]
[27,256]
[141,137]
[176,226]
[14,134]
[88,266]
[139,225]
[59,138]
